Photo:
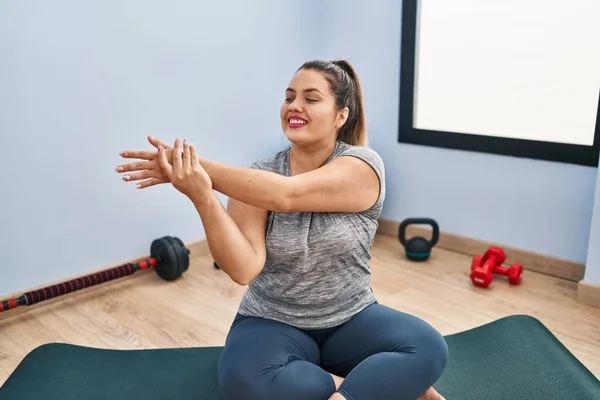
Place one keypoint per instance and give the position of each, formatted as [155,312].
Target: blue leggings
[382,353]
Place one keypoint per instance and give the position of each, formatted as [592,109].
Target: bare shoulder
[367,155]
[353,181]
[366,164]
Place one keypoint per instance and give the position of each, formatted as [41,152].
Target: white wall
[81,81]
[592,268]
[534,205]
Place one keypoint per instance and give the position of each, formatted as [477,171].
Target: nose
[295,105]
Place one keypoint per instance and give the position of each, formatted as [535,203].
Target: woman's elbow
[283,205]
[285,200]
[244,278]
[241,280]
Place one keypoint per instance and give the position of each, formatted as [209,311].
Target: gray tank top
[317,273]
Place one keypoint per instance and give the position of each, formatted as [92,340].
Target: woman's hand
[149,170]
[186,174]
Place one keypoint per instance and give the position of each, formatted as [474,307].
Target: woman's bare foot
[338,380]
[431,394]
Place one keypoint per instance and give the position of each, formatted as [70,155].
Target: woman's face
[309,113]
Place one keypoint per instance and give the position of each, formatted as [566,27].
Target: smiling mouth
[295,123]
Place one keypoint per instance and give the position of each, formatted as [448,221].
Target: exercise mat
[512,358]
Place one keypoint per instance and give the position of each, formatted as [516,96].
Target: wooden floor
[145,312]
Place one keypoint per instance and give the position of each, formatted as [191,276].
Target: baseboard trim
[532,261]
[588,293]
[197,248]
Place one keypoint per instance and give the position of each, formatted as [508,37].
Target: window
[517,78]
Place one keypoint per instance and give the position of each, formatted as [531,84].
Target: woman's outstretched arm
[347,184]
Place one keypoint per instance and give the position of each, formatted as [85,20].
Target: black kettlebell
[418,248]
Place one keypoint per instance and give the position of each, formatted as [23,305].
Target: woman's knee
[262,359]
[234,382]
[238,380]
[432,349]
[427,343]
[296,379]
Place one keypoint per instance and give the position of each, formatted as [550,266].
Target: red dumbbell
[483,267]
[514,272]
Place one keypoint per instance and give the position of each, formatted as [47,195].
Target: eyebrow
[305,91]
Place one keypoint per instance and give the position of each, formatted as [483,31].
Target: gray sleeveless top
[317,273]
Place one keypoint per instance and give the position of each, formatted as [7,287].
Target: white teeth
[297,121]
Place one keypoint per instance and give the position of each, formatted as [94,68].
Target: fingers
[151,182]
[164,162]
[139,176]
[186,157]
[177,156]
[169,159]
[155,142]
[143,154]
[194,156]
[137,166]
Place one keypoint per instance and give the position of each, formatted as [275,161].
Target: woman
[298,231]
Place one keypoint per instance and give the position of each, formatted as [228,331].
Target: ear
[342,117]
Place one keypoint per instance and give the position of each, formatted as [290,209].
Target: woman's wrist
[204,201]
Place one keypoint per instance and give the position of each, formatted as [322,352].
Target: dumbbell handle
[490,264]
[49,292]
[500,270]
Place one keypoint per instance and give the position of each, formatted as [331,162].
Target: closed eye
[289,100]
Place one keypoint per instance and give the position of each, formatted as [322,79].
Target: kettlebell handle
[419,221]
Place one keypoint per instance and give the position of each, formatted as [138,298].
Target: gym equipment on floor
[418,248]
[168,256]
[515,357]
[484,267]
